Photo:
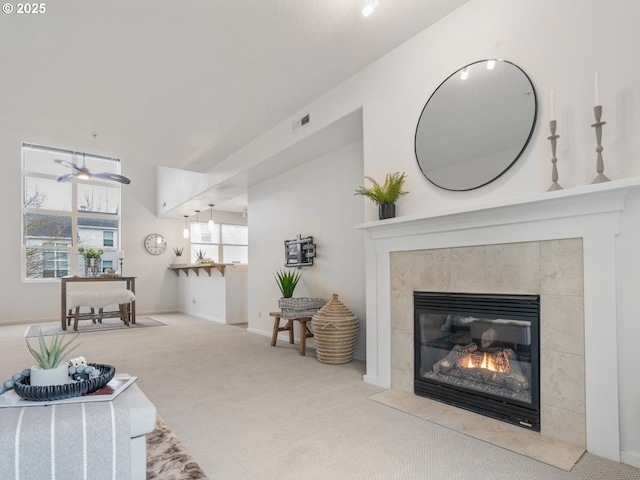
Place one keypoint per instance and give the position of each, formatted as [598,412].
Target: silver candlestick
[554,171]
[601,177]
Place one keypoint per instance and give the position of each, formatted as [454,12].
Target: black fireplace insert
[480,352]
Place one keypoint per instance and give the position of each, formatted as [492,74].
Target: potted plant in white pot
[385,195]
[50,370]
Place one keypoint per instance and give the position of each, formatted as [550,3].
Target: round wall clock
[155,244]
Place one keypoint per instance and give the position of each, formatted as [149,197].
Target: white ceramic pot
[41,377]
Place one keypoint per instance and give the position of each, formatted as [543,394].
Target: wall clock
[155,244]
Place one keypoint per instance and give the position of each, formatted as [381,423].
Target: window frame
[217,247]
[74,262]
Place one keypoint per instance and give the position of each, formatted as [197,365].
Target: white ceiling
[186,83]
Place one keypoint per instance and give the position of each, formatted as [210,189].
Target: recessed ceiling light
[370,7]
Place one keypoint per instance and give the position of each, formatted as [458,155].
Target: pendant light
[197,231]
[211,223]
[185,232]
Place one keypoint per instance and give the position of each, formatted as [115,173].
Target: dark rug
[88,326]
[167,459]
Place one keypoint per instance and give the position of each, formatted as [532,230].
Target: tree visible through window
[58,217]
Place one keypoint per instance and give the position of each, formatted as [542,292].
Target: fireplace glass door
[480,352]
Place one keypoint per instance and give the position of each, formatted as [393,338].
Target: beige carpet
[248,411]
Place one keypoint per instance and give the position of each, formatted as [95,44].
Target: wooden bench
[100,299]
[126,311]
[304,330]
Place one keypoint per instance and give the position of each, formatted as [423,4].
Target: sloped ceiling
[184,84]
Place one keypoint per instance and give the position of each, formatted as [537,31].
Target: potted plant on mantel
[50,370]
[385,195]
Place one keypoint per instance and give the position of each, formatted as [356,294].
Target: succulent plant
[287,282]
[51,355]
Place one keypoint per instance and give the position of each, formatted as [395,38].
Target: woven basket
[335,330]
[298,307]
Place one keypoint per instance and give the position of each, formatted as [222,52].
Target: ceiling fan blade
[67,163]
[64,178]
[112,177]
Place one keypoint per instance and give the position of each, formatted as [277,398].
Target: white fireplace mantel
[596,213]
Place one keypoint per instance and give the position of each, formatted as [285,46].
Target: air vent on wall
[301,123]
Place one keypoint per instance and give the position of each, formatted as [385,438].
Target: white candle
[121,254]
[596,87]
[552,110]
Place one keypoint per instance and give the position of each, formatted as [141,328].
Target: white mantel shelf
[603,215]
[568,202]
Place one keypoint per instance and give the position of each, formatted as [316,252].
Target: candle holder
[554,171]
[601,177]
[121,259]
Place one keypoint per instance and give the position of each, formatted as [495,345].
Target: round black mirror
[475,125]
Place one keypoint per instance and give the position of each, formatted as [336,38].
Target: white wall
[315,199]
[560,45]
[219,298]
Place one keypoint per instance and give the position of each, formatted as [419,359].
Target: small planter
[41,377]
[387,210]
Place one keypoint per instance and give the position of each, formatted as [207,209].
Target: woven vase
[335,330]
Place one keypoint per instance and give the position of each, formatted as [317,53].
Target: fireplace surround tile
[568,426]
[562,375]
[562,318]
[561,267]
[528,268]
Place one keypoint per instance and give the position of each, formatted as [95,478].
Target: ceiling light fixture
[197,232]
[185,232]
[370,7]
[211,223]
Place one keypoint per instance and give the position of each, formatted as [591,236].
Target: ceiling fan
[83,173]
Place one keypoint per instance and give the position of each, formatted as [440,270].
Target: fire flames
[487,361]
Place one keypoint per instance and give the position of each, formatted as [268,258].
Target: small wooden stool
[304,330]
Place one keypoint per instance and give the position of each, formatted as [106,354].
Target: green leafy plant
[388,192]
[178,251]
[287,281]
[200,254]
[51,355]
[88,253]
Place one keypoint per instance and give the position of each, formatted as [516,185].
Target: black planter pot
[388,210]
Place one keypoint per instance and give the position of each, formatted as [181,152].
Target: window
[107,238]
[225,244]
[58,217]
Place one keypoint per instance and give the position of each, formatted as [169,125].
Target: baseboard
[630,458]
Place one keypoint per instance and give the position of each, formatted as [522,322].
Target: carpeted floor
[247,410]
[167,459]
[87,327]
